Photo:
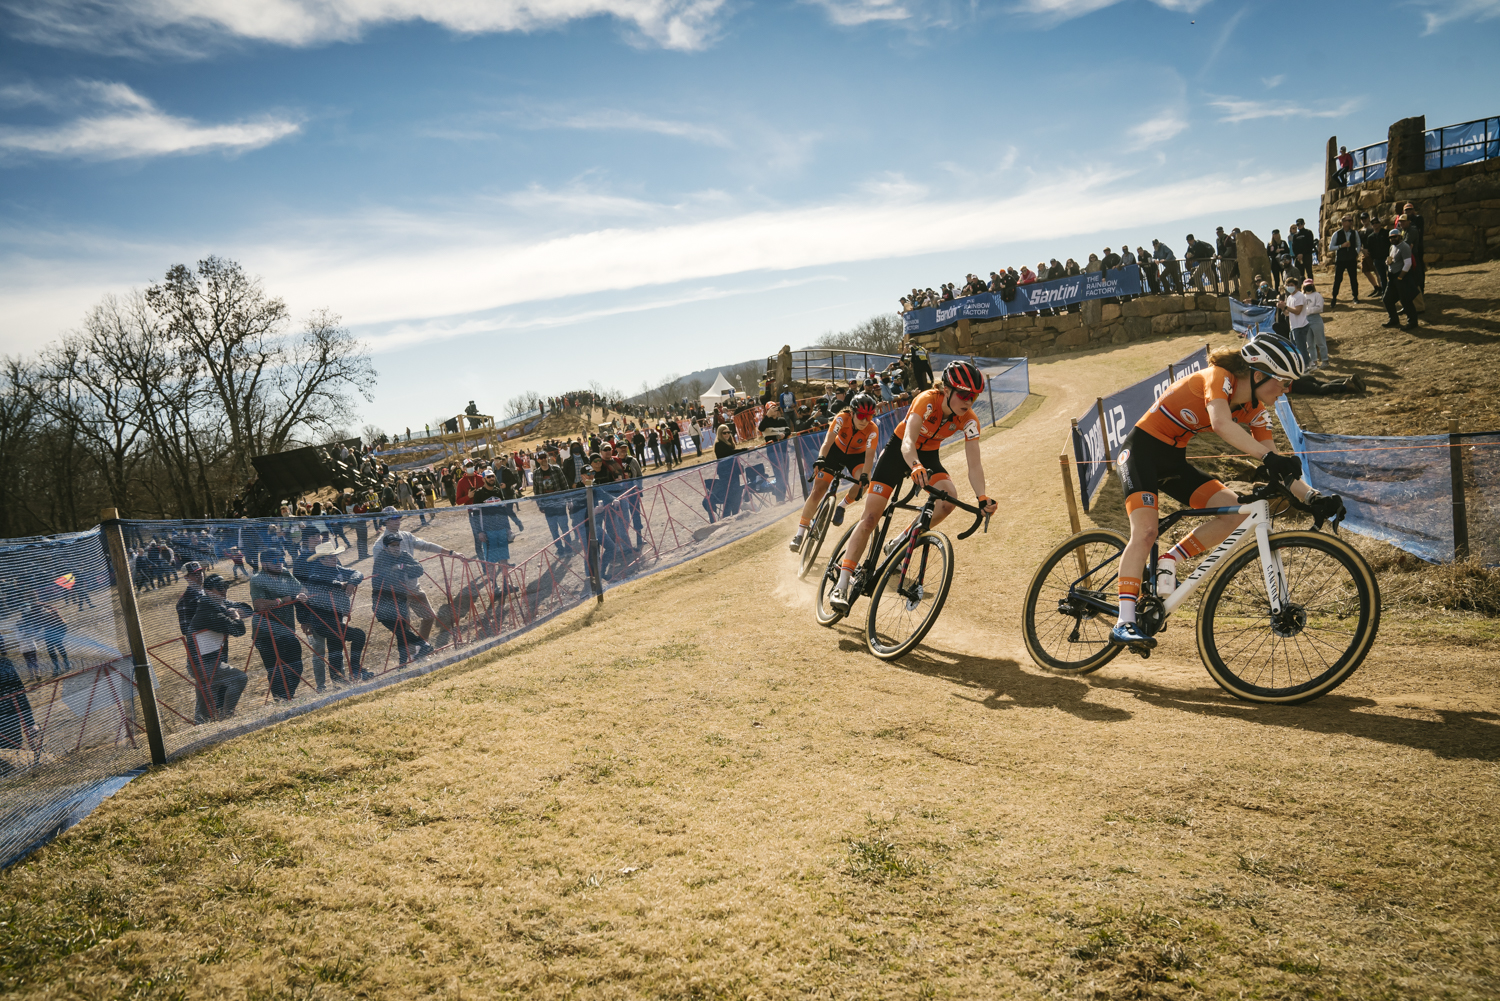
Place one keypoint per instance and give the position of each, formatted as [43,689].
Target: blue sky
[533,194]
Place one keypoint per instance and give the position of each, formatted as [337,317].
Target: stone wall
[1097,324]
[1461,205]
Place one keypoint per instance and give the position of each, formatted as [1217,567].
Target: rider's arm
[976,468]
[1235,436]
[909,441]
[833,430]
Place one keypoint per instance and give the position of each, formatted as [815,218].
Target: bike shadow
[1456,735]
[1004,684]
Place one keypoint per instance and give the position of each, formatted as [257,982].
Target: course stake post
[1460,509]
[119,561]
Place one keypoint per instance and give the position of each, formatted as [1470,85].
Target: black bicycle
[911,575]
[1287,617]
[818,530]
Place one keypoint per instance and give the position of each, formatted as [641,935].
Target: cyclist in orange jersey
[913,451]
[1231,398]
[850,445]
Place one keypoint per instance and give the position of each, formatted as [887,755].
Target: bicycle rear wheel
[1062,632]
[908,596]
[816,533]
[1321,636]
[821,609]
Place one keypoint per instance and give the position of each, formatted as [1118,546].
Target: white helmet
[1276,356]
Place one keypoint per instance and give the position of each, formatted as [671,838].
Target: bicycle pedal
[1141,650]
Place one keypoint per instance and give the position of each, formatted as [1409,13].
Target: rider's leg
[820,487]
[1143,518]
[1207,535]
[874,508]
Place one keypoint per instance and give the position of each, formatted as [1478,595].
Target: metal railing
[1446,146]
[1469,142]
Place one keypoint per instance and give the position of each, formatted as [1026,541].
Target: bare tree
[881,334]
[525,403]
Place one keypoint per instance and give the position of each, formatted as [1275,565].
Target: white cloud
[1063,10]
[629,121]
[852,12]
[189,26]
[1272,82]
[390,268]
[1236,110]
[1156,130]
[1438,13]
[122,124]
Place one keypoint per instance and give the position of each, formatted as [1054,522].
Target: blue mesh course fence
[344,622]
[1401,489]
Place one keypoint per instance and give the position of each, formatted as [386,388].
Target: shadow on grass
[1007,686]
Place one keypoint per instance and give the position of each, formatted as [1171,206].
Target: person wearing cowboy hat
[416,598]
[214,621]
[330,586]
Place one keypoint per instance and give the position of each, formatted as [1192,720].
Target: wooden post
[1460,510]
[1109,459]
[1067,475]
[134,637]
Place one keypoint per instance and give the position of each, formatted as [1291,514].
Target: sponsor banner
[1053,294]
[1121,411]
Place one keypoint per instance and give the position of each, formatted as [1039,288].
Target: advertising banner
[1093,438]
[1053,294]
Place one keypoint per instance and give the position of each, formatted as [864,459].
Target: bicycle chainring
[1151,614]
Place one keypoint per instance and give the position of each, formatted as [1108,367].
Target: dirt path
[693,791]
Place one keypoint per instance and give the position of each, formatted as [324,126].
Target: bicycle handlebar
[979,515]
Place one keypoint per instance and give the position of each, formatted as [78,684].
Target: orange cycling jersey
[1182,411]
[849,439]
[928,409]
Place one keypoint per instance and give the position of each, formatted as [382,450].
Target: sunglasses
[966,397]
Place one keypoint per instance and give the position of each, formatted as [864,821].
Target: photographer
[392,573]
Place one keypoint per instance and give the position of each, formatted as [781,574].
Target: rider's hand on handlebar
[919,476]
[987,505]
[1282,467]
[1325,508]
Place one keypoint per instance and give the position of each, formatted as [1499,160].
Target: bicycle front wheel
[816,533]
[1326,627]
[908,596]
[1063,631]
[821,609]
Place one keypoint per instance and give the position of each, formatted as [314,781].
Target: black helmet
[864,405]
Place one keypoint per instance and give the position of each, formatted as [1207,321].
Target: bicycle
[912,575]
[1285,631]
[818,530]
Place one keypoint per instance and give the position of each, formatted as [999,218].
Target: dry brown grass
[693,791]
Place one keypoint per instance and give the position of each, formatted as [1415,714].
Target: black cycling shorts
[837,458]
[891,469]
[1149,466]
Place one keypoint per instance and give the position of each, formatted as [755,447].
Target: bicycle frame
[1256,526]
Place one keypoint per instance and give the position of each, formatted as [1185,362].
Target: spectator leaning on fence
[272,593]
[415,598]
[392,574]
[1199,258]
[1228,258]
[214,621]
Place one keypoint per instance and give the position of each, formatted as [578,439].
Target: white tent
[720,391]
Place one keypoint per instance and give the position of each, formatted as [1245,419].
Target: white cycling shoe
[839,601]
